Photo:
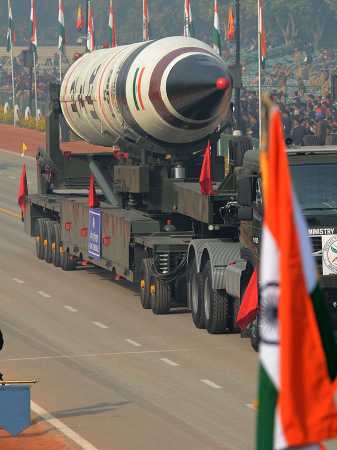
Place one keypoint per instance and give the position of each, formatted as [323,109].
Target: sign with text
[95,233]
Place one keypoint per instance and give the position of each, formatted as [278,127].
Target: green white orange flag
[90,31]
[112,26]
[146,21]
[188,21]
[230,24]
[79,18]
[11,30]
[61,44]
[262,33]
[298,354]
[216,29]
[33,23]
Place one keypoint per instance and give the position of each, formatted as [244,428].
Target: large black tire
[145,280]
[217,311]
[40,237]
[68,262]
[48,254]
[196,300]
[160,296]
[56,245]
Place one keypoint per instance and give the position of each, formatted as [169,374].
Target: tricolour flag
[112,26]
[230,24]
[61,45]
[146,21]
[11,29]
[79,18]
[91,31]
[262,33]
[298,354]
[33,23]
[188,21]
[216,29]
[23,192]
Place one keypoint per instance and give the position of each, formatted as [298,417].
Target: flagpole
[35,84]
[259,76]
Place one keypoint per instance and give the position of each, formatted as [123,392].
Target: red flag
[93,200]
[23,192]
[249,304]
[79,18]
[205,180]
[231,24]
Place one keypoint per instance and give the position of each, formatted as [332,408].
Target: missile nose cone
[222,83]
[196,86]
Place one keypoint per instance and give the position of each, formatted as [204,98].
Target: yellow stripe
[10,213]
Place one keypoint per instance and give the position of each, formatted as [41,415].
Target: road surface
[118,376]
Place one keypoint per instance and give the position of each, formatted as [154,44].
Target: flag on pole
[146,21]
[79,18]
[298,363]
[216,29]
[93,201]
[112,26]
[23,192]
[11,30]
[33,22]
[91,31]
[61,45]
[206,185]
[262,32]
[230,24]
[188,21]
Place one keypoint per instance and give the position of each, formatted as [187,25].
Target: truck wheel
[196,300]
[48,254]
[160,296]
[145,278]
[216,303]
[56,244]
[39,247]
[68,262]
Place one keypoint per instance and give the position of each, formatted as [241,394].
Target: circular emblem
[330,254]
[269,322]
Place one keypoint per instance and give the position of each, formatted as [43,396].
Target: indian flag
[33,22]
[61,27]
[188,21]
[11,31]
[112,26]
[298,354]
[216,29]
[90,31]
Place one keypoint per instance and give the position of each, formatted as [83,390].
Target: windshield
[316,185]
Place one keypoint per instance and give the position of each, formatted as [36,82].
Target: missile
[164,95]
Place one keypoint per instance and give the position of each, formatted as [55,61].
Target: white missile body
[161,93]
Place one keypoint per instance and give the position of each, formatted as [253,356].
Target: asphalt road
[114,373]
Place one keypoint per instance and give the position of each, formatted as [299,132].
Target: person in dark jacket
[298,133]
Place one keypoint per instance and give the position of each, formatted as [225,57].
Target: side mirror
[245,213]
[245,191]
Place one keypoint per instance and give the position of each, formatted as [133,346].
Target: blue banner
[14,408]
[95,233]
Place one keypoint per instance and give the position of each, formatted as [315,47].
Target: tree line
[288,23]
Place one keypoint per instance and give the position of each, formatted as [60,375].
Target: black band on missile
[191,87]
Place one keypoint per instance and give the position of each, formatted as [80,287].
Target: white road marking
[44,294]
[169,362]
[17,280]
[62,427]
[70,308]
[11,177]
[100,325]
[211,384]
[134,343]
[93,355]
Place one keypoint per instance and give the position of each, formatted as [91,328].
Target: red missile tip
[222,83]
